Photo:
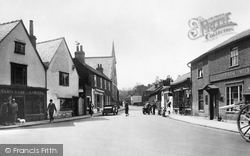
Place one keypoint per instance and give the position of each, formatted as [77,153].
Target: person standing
[51,108]
[126,108]
[4,109]
[13,111]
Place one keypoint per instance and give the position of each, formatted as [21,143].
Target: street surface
[134,135]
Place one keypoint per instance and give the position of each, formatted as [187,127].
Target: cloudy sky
[150,36]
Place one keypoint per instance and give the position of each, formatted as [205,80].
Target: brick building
[220,77]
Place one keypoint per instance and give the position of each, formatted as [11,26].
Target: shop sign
[231,74]
[20,92]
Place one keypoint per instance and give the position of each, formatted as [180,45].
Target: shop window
[19,48]
[201,101]
[63,79]
[200,70]
[234,57]
[65,104]
[18,74]
[34,104]
[234,94]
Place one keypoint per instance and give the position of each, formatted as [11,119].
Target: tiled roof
[90,69]
[230,40]
[47,49]
[6,28]
[181,79]
[106,62]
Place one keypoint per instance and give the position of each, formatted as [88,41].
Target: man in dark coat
[13,111]
[126,108]
[51,108]
[4,109]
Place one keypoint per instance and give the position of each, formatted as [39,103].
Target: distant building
[62,77]
[108,63]
[94,85]
[22,71]
[181,90]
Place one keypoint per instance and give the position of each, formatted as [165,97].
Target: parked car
[110,109]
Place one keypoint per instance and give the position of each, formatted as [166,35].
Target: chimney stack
[99,68]
[32,37]
[80,55]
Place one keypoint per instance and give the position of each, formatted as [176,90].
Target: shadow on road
[65,123]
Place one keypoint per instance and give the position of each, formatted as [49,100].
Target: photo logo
[210,28]
[7,150]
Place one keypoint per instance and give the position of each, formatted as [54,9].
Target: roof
[156,90]
[106,61]
[47,49]
[79,66]
[6,28]
[136,94]
[181,79]
[236,37]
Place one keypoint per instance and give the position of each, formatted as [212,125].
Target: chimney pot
[80,47]
[31,28]
[77,48]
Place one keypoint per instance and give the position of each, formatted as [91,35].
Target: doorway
[20,103]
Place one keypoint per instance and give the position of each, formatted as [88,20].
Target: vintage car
[110,109]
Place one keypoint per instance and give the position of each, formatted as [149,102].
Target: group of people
[151,107]
[9,111]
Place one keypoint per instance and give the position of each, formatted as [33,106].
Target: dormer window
[19,47]
[234,57]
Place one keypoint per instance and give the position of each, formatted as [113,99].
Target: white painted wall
[62,62]
[35,69]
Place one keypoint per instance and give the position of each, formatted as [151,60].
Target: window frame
[14,74]
[95,81]
[63,81]
[19,48]
[200,70]
[234,56]
[200,100]
[228,93]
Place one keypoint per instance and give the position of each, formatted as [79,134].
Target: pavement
[230,126]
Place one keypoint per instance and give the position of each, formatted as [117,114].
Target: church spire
[113,51]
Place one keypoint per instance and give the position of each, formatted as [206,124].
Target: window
[34,104]
[100,82]
[95,84]
[19,47]
[234,94]
[63,79]
[201,102]
[234,57]
[105,87]
[200,70]
[65,104]
[18,74]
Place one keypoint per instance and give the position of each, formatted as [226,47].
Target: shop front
[31,101]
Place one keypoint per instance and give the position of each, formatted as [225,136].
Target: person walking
[51,108]
[126,108]
[153,106]
[91,107]
[4,109]
[13,111]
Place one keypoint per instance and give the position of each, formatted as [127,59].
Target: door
[213,106]
[20,103]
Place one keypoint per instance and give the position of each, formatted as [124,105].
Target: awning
[210,87]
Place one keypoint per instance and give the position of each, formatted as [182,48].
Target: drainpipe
[191,99]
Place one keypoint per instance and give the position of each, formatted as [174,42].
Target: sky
[150,36]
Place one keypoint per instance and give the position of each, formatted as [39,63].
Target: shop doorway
[20,103]
[213,106]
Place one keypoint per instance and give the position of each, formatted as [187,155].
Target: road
[134,135]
